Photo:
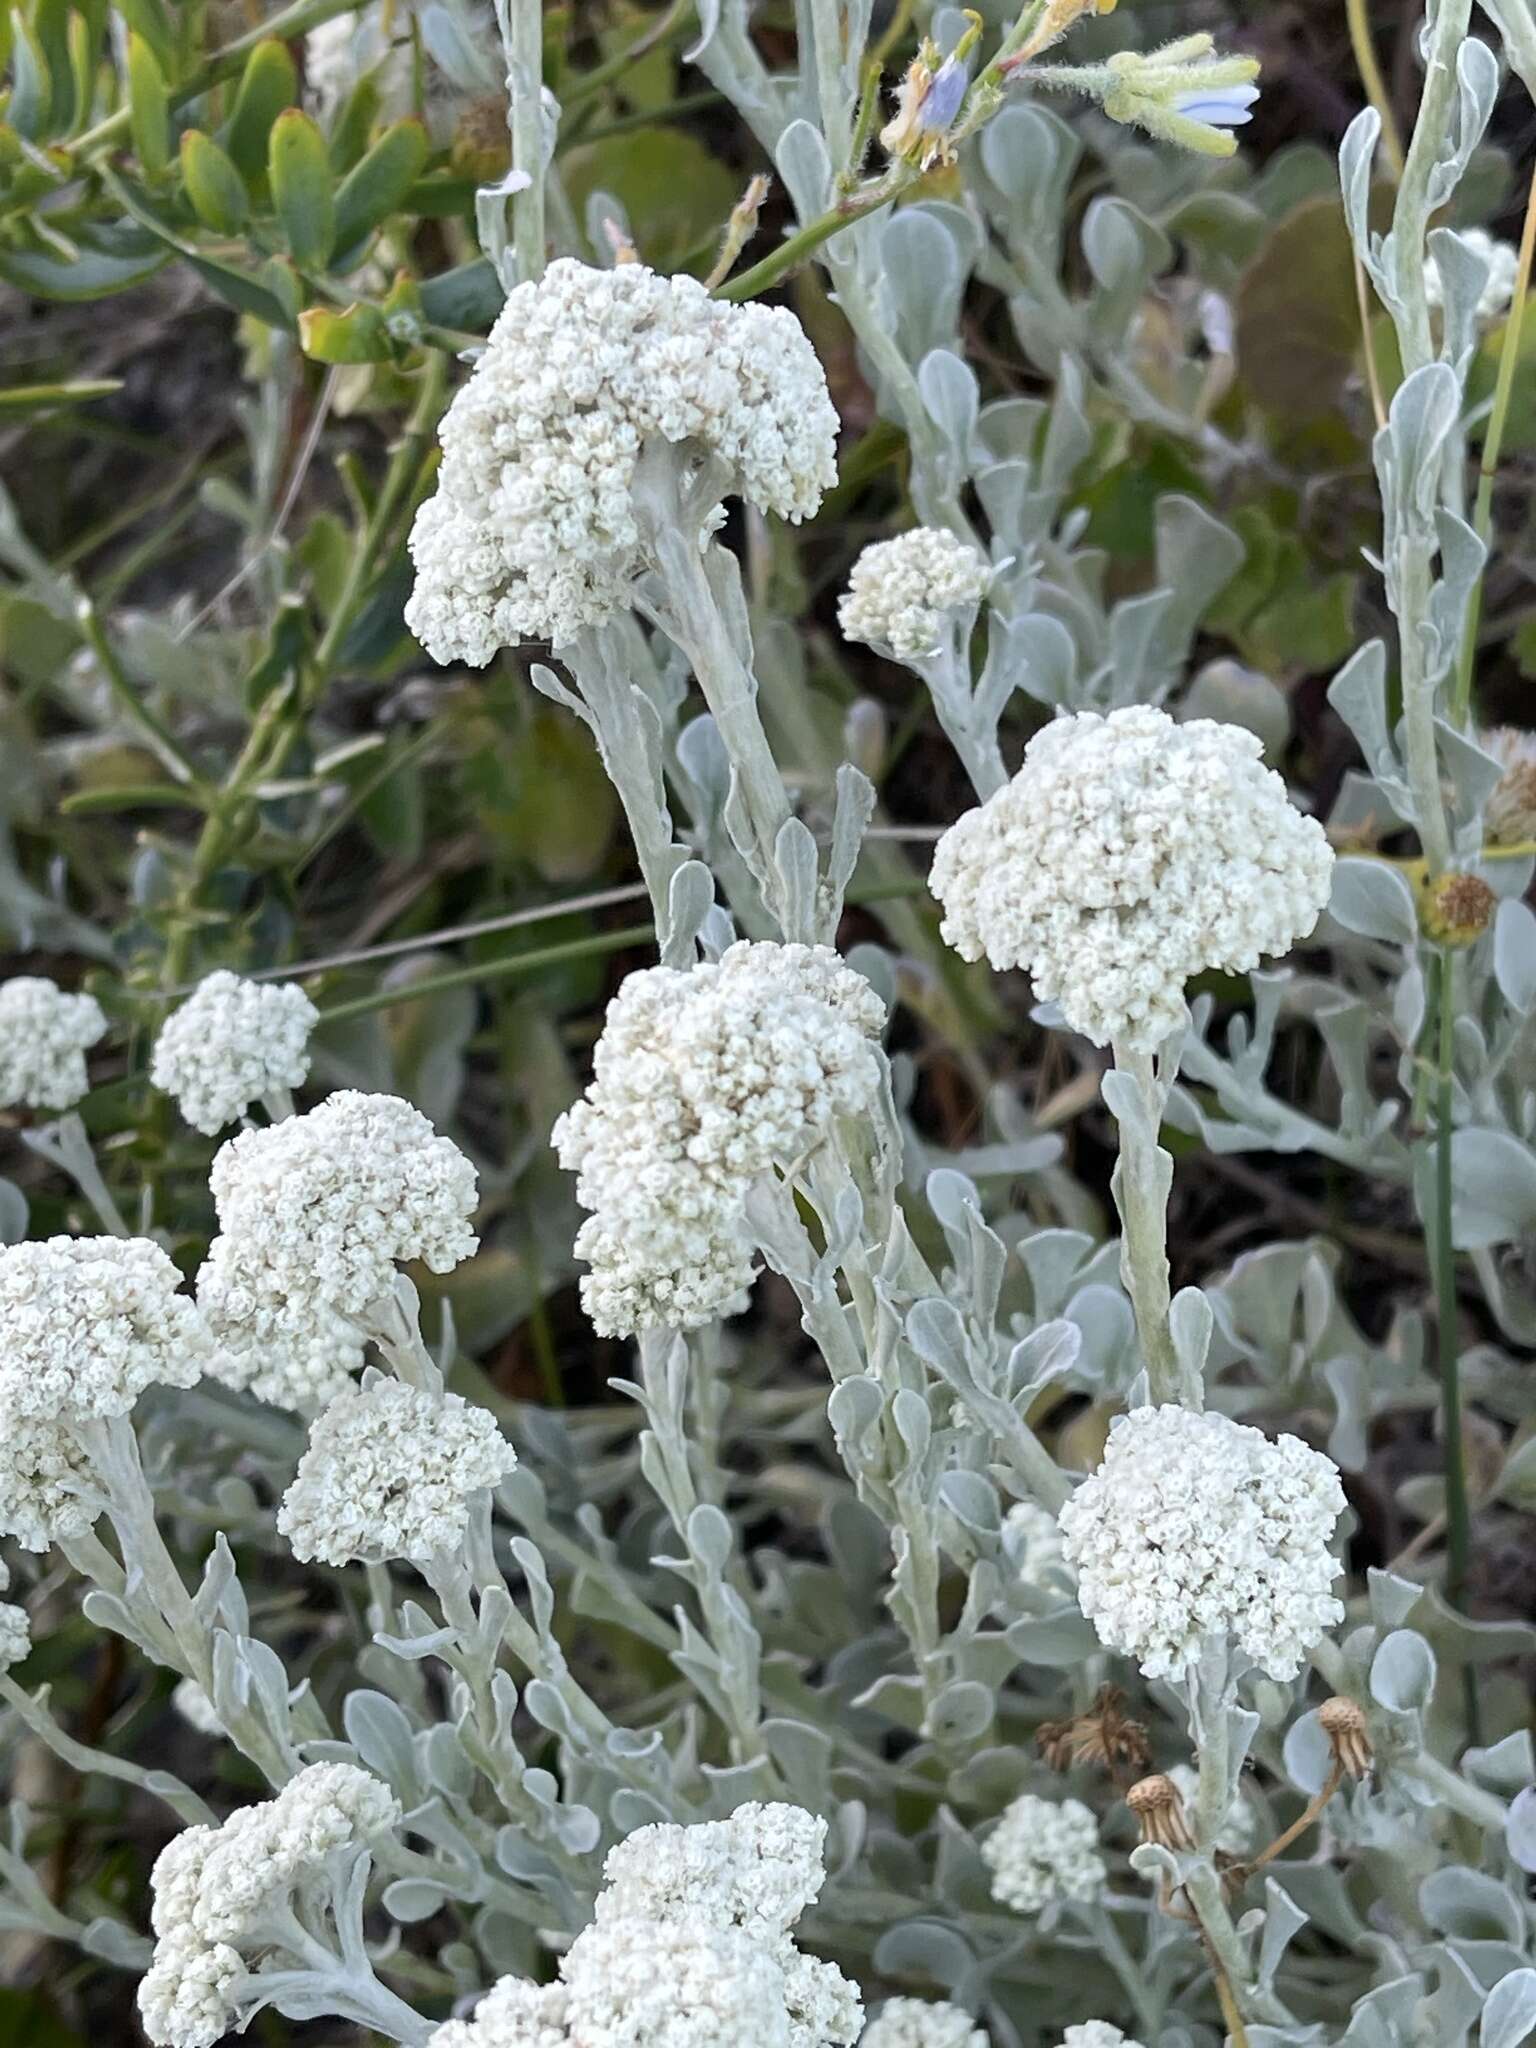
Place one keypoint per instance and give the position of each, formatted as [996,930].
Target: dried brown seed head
[1158,1808]
[1344,1725]
[1457,909]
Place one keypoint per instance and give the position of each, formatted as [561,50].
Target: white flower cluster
[15,1634]
[289,1349]
[1503,260]
[1097,2034]
[922,2023]
[691,1947]
[390,1472]
[44,1036]
[1043,1851]
[47,1483]
[531,533]
[1032,1544]
[703,1080]
[1197,1526]
[231,1043]
[216,1891]
[1126,855]
[87,1323]
[319,1207]
[900,591]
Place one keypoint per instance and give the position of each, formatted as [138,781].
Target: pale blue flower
[1223,106]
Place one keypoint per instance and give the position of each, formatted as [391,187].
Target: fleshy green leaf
[373,188]
[214,186]
[300,174]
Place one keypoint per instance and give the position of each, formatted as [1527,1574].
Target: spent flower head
[44,1037]
[922,2023]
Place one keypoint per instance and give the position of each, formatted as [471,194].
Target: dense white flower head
[1032,1544]
[532,532]
[514,2013]
[690,1948]
[922,2023]
[231,1043]
[390,1472]
[1097,2034]
[195,1708]
[1197,1526]
[1043,1851]
[48,1488]
[322,1205]
[1127,855]
[87,1323]
[704,1079]
[44,1037]
[289,1349]
[901,591]
[1509,816]
[759,1870]
[1503,261]
[15,1634]
[214,1888]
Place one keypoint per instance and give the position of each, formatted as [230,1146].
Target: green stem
[1363,44]
[796,247]
[163,740]
[492,970]
[1443,1260]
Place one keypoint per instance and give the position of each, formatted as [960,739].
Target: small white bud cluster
[703,1080]
[391,1471]
[901,590]
[1097,2034]
[922,2023]
[15,1634]
[1195,1526]
[315,1211]
[219,1895]
[1127,855]
[1043,1851]
[532,534]
[44,1037]
[231,1043]
[691,1947]
[1032,1544]
[1503,261]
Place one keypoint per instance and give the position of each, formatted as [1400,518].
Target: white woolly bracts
[703,1080]
[531,533]
[1127,855]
